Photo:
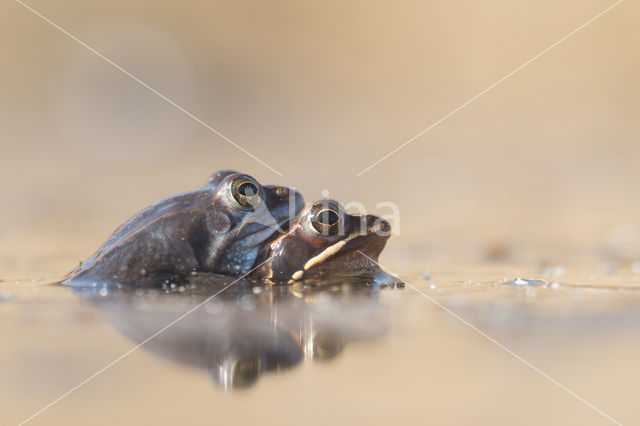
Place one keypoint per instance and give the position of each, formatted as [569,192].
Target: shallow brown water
[500,352]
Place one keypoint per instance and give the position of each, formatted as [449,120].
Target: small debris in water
[635,267]
[427,276]
[432,286]
[256,290]
[103,291]
[555,285]
[523,282]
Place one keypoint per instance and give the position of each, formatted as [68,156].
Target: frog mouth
[282,224]
[285,224]
[265,232]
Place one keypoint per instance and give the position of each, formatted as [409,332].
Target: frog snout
[281,191]
[378,225]
[281,195]
[296,198]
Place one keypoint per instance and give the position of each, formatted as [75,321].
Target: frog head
[243,216]
[326,241]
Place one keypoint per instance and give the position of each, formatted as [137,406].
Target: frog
[326,244]
[218,228]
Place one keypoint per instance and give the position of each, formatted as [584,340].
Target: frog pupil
[247,189]
[328,217]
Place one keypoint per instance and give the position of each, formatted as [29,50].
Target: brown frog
[218,228]
[325,243]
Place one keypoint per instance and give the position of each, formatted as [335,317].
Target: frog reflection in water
[218,228]
[246,330]
[326,243]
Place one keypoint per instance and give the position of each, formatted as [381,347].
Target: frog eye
[246,192]
[325,220]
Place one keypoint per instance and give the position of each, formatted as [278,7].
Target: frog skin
[326,242]
[218,228]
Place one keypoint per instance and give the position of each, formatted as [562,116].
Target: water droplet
[523,282]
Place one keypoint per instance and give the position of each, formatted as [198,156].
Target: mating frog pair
[235,226]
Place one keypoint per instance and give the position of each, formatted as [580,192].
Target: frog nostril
[381,227]
[282,192]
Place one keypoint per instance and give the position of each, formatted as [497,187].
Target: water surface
[477,342]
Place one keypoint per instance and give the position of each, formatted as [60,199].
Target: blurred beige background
[320,90]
